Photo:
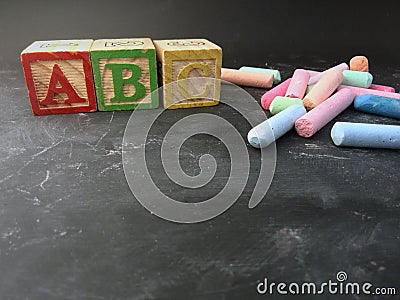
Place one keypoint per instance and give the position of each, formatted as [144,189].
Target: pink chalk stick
[279,90]
[298,84]
[314,120]
[312,73]
[361,91]
[382,88]
[315,78]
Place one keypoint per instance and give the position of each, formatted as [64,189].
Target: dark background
[80,234]
[250,32]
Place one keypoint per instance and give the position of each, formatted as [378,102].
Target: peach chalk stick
[247,78]
[359,63]
[323,88]
[298,84]
[315,78]
[383,88]
[314,120]
[361,91]
[279,90]
[276,73]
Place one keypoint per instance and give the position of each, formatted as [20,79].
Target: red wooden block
[59,77]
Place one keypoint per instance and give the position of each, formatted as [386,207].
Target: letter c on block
[184,74]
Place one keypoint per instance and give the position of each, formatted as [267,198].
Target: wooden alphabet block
[184,59]
[125,73]
[59,76]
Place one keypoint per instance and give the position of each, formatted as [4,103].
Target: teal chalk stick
[357,78]
[276,73]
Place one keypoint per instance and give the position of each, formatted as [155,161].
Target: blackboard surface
[70,227]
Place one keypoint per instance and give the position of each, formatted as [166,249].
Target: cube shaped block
[125,73]
[186,59]
[59,76]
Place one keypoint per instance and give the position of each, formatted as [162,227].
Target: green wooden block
[125,74]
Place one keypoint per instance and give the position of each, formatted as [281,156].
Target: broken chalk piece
[279,90]
[366,135]
[378,105]
[272,129]
[359,63]
[323,88]
[298,84]
[314,120]
[247,78]
[276,73]
[281,103]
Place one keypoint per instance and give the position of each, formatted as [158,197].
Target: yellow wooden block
[185,59]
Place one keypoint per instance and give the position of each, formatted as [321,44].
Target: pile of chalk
[309,100]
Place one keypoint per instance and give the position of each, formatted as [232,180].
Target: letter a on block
[59,77]
[59,84]
[119,81]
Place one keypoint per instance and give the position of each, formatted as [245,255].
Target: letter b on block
[125,73]
[185,59]
[119,81]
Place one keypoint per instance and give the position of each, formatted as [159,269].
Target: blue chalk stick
[378,105]
[268,131]
[366,135]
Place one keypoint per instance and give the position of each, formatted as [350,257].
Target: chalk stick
[298,84]
[353,78]
[378,105]
[323,88]
[383,88]
[272,129]
[279,90]
[312,72]
[357,78]
[309,88]
[315,78]
[359,63]
[247,78]
[280,103]
[366,135]
[276,73]
[361,91]
[315,119]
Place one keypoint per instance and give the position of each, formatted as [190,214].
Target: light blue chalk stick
[366,135]
[276,73]
[357,78]
[378,105]
[272,129]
